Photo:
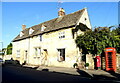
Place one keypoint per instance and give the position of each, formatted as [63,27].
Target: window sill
[60,61]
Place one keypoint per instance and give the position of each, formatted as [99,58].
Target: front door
[45,57]
[25,56]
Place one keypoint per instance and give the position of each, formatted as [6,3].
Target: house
[51,43]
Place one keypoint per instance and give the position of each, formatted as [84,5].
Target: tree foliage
[9,49]
[96,41]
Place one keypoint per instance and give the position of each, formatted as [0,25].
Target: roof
[54,24]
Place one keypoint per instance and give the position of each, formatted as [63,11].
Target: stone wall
[90,60]
[118,61]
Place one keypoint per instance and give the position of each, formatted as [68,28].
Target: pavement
[101,74]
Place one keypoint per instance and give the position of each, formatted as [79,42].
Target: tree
[9,49]
[116,33]
[96,41]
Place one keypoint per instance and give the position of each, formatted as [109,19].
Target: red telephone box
[110,57]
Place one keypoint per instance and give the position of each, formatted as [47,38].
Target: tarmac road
[14,74]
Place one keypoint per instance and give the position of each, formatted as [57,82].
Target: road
[14,74]
[18,74]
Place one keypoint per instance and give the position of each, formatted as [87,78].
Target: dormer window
[43,28]
[31,31]
[21,34]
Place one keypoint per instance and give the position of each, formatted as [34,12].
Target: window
[43,28]
[61,55]
[40,37]
[37,52]
[31,31]
[21,34]
[18,53]
[61,35]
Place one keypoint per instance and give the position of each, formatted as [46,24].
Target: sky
[14,14]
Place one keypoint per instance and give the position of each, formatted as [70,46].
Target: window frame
[21,34]
[61,54]
[61,35]
[18,53]
[37,52]
[31,31]
[40,36]
[43,28]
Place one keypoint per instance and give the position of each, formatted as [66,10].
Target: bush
[75,65]
[86,64]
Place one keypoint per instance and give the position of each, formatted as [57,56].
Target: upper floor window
[31,31]
[43,28]
[40,37]
[61,35]
[21,34]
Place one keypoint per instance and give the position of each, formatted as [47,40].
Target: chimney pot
[61,12]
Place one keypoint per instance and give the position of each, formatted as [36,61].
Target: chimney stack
[61,12]
[23,27]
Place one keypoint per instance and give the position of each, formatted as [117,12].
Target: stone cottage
[51,43]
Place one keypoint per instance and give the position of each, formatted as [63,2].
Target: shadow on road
[17,74]
[22,74]
[30,67]
[84,74]
[101,77]
[117,75]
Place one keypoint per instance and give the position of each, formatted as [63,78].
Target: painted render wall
[51,42]
[22,45]
[87,21]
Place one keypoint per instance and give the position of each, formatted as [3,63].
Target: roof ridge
[55,18]
[54,24]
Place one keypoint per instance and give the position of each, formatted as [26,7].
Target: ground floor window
[61,54]
[37,52]
[18,53]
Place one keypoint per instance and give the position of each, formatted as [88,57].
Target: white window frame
[61,35]
[43,28]
[18,53]
[21,34]
[61,54]
[37,52]
[31,31]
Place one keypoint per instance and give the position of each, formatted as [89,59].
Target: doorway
[25,57]
[45,57]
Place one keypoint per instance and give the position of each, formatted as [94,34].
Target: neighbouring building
[51,43]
